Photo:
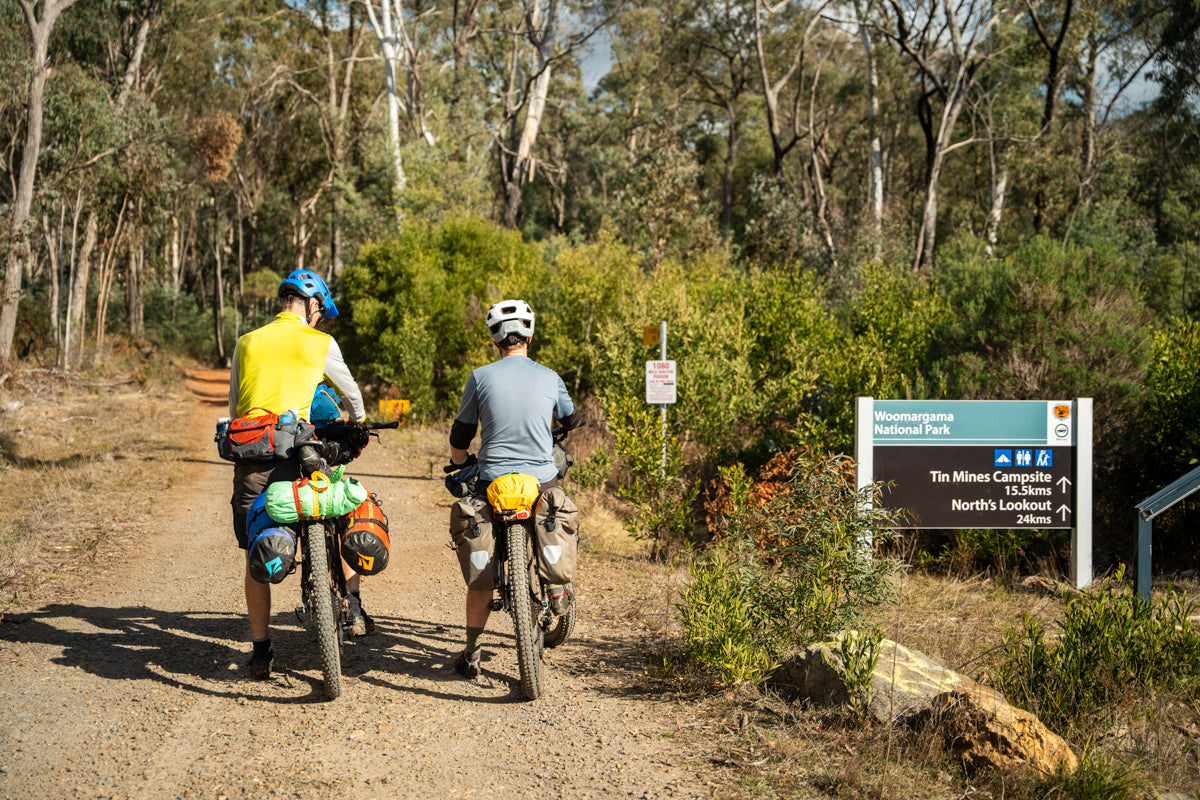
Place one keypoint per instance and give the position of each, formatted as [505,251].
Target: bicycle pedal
[496,605]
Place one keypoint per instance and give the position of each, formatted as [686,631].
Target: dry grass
[81,457]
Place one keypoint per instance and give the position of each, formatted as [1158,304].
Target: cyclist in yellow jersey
[276,368]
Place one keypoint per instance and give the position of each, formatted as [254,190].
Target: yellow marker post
[395,409]
[650,335]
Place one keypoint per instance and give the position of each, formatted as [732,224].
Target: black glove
[452,467]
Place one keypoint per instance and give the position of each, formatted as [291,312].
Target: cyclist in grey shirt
[514,402]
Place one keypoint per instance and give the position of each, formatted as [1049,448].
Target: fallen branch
[113,383]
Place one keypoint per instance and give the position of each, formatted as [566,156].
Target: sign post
[983,464]
[660,381]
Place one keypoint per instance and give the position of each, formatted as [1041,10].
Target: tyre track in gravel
[132,687]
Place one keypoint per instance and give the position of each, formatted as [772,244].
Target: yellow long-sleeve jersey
[277,367]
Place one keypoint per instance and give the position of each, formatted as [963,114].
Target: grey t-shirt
[515,401]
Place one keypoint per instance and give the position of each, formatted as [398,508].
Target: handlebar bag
[271,553]
[315,497]
[365,545]
[556,528]
[473,540]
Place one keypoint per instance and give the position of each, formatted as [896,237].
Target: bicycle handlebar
[341,424]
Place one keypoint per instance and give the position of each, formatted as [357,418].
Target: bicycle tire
[562,628]
[326,624]
[525,623]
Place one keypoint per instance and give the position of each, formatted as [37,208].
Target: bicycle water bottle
[222,426]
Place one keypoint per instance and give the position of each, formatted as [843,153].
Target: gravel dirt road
[127,680]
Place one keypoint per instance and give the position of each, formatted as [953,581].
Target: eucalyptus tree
[519,47]
[784,26]
[329,81]
[403,51]
[39,22]
[98,131]
[947,42]
[1120,39]
[717,42]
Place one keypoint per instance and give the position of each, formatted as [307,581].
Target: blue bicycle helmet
[309,284]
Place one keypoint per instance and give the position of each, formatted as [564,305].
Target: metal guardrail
[1150,508]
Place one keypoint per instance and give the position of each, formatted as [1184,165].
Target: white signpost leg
[1081,534]
[864,448]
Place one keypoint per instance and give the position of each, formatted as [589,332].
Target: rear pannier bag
[251,440]
[471,533]
[556,526]
[365,544]
[271,552]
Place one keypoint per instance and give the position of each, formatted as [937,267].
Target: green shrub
[719,627]
[796,569]
[1096,778]
[417,304]
[1113,651]
[661,496]
[1048,321]
[1173,383]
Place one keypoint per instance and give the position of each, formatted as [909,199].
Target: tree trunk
[1087,155]
[385,33]
[874,146]
[18,229]
[241,264]
[80,277]
[52,250]
[135,317]
[336,263]
[218,302]
[927,237]
[108,272]
[64,352]
[999,165]
[543,38]
[731,151]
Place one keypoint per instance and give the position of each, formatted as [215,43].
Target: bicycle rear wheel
[323,613]
[561,628]
[525,622]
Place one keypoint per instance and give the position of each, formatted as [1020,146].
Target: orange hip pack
[265,437]
[365,545]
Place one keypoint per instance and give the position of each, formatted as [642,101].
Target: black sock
[354,599]
[262,647]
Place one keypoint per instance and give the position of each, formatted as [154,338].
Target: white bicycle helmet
[510,316]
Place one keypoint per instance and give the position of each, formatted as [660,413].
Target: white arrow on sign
[1063,483]
[1065,511]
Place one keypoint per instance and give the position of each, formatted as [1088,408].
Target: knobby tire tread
[323,611]
[528,633]
[562,629]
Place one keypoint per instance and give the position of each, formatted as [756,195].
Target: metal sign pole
[662,356]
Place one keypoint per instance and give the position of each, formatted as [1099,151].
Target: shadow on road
[191,651]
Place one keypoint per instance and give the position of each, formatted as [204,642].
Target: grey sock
[473,645]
